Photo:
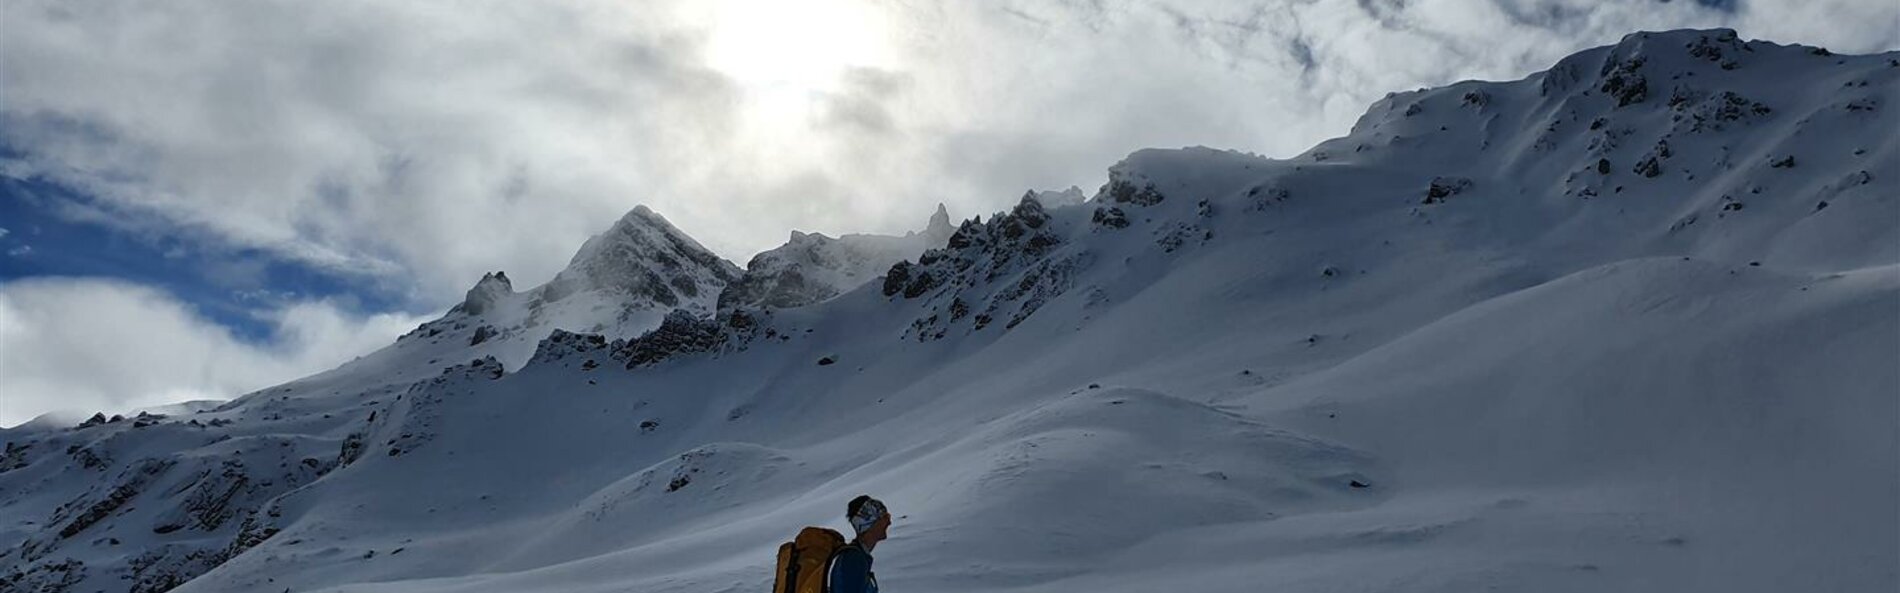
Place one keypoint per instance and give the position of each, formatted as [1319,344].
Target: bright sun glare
[777,46]
[787,57]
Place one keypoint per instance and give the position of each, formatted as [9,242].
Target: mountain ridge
[1404,360]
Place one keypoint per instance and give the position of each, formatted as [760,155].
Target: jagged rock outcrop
[80,514]
[1445,187]
[491,290]
[562,346]
[986,271]
[14,456]
[681,333]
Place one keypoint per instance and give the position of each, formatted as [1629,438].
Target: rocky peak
[645,237]
[619,283]
[939,226]
[1644,65]
[643,255]
[1005,268]
[492,288]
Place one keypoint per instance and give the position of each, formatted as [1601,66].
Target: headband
[868,514]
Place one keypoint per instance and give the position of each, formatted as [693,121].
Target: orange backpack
[804,564]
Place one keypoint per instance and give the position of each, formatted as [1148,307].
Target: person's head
[869,518]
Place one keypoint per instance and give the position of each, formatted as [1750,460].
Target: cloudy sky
[200,198]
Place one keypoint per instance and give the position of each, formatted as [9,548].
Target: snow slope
[1554,334]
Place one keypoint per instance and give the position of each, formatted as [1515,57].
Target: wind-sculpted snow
[1627,324]
[1150,461]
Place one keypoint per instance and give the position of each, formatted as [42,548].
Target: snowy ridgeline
[1628,324]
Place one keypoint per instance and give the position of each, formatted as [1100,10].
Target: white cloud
[86,345]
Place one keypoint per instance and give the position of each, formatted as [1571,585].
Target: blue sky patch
[234,287]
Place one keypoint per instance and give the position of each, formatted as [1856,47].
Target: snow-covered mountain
[621,282]
[812,267]
[1628,324]
[625,281]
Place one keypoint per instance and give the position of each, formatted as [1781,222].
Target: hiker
[851,568]
[820,561]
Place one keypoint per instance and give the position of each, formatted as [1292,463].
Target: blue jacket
[851,571]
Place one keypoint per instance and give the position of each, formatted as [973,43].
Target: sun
[800,47]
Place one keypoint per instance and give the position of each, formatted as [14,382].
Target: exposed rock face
[197,508]
[14,457]
[564,345]
[680,333]
[130,483]
[939,227]
[47,577]
[1623,80]
[1723,109]
[1003,264]
[490,291]
[1445,187]
[1109,217]
[1124,191]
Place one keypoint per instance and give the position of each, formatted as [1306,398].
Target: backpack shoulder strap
[832,562]
[850,545]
